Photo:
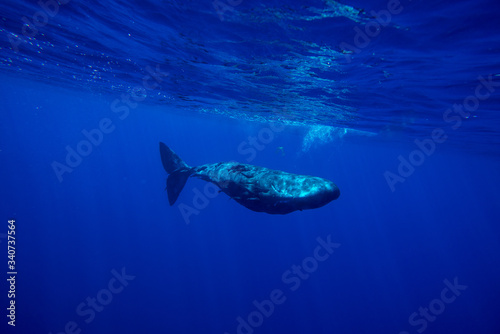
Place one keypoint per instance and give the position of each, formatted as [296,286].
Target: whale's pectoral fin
[178,171]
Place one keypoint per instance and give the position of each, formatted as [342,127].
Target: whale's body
[257,188]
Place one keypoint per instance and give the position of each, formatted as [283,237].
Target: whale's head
[318,193]
[329,191]
[305,192]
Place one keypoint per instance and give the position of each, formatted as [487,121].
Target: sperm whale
[256,188]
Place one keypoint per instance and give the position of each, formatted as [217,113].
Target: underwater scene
[250,167]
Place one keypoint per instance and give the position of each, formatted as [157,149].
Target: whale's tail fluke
[178,172]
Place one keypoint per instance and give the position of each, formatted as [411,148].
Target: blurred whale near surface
[256,188]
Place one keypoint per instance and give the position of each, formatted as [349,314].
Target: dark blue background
[111,212]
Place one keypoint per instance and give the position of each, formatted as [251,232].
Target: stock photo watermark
[223,6]
[200,201]
[427,146]
[87,309]
[372,29]
[292,278]
[94,137]
[11,271]
[436,307]
[249,147]
[258,143]
[39,19]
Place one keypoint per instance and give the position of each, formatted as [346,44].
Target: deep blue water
[397,103]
